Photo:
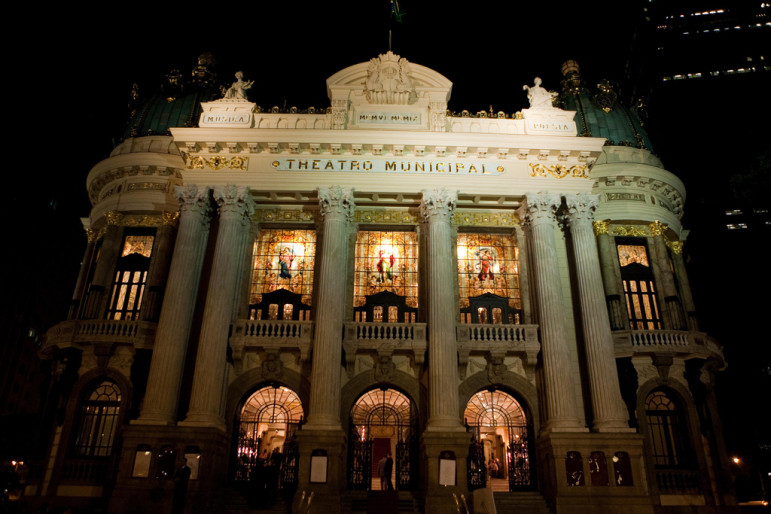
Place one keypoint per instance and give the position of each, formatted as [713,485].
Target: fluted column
[666,281]
[561,410]
[166,367]
[685,286]
[611,277]
[102,279]
[437,208]
[235,213]
[159,267]
[336,205]
[85,266]
[607,405]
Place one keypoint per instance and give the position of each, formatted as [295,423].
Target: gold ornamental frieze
[485,219]
[283,215]
[559,170]
[217,162]
[141,220]
[390,217]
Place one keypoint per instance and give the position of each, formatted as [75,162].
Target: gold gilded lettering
[390,166]
[440,167]
[367,165]
[329,165]
[289,162]
[315,164]
[354,165]
[302,165]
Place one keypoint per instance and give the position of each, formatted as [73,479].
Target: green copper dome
[599,113]
[178,104]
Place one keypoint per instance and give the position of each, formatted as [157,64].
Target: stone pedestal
[154,493]
[326,495]
[433,444]
[591,497]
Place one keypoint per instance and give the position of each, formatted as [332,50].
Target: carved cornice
[96,186]
[666,195]
[559,171]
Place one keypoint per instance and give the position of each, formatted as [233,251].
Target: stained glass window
[130,277]
[639,287]
[283,259]
[488,263]
[386,261]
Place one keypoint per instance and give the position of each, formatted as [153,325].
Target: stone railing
[636,342]
[498,341]
[264,334]
[140,334]
[88,471]
[384,339]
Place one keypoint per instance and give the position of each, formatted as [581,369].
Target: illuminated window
[283,259]
[667,431]
[98,421]
[130,277]
[639,288]
[489,263]
[386,261]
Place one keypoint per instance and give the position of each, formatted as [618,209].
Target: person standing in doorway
[388,468]
[181,478]
[381,465]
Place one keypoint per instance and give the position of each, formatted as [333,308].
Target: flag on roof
[396,12]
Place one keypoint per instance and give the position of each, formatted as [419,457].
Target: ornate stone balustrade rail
[631,342]
[255,335]
[496,341]
[140,334]
[385,339]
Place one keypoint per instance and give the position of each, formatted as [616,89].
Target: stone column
[437,208]
[561,412]
[235,213]
[685,286]
[166,367]
[607,405]
[672,309]
[611,277]
[102,279]
[159,267]
[336,206]
[85,266]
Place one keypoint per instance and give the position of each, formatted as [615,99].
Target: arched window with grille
[98,421]
[668,431]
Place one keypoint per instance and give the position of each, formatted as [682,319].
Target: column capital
[540,207]
[581,206]
[113,218]
[601,227]
[336,200]
[658,228]
[193,199]
[234,201]
[169,218]
[438,203]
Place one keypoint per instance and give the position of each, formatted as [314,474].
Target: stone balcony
[498,341]
[384,340]
[678,343]
[273,336]
[136,333]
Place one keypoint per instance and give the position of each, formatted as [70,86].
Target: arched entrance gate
[382,421]
[501,450]
[265,452]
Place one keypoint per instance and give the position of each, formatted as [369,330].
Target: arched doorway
[383,421]
[265,449]
[502,447]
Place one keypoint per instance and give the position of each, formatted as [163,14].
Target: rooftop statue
[539,97]
[237,91]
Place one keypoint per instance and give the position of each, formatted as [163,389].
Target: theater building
[497,300]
